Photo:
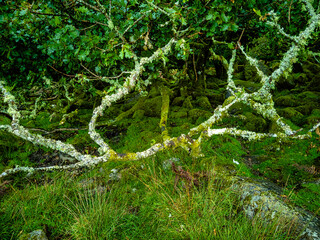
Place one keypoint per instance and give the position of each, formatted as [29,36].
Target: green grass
[144,204]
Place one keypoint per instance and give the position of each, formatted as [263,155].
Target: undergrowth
[144,203]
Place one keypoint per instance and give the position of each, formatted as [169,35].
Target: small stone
[35,235]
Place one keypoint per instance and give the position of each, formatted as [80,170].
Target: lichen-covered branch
[164,112]
[124,90]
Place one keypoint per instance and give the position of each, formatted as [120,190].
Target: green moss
[250,73]
[249,86]
[314,117]
[178,115]
[187,103]
[152,106]
[154,92]
[306,197]
[139,136]
[255,123]
[81,139]
[300,78]
[178,101]
[309,96]
[204,103]
[216,97]
[194,114]
[139,114]
[286,101]
[292,114]
[305,109]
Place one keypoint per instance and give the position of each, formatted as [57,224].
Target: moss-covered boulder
[153,106]
[261,198]
[154,92]
[264,199]
[292,114]
[250,73]
[204,103]
[255,123]
[305,109]
[194,114]
[213,83]
[178,101]
[300,78]
[311,96]
[215,97]
[287,101]
[139,114]
[187,103]
[179,114]
[314,117]
[248,85]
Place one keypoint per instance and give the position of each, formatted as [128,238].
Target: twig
[194,67]
[135,22]
[99,77]
[67,75]
[238,42]
[83,29]
[289,13]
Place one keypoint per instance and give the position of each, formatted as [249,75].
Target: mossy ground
[145,203]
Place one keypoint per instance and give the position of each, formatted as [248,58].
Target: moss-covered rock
[213,83]
[300,78]
[139,114]
[264,199]
[292,114]
[286,101]
[305,109]
[154,92]
[215,97]
[204,103]
[194,114]
[312,96]
[255,123]
[153,106]
[285,82]
[248,85]
[178,101]
[35,235]
[177,115]
[314,117]
[250,73]
[187,103]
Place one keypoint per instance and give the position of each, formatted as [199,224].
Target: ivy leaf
[225,27]
[257,12]
[183,21]
[224,17]
[209,16]
[230,45]
[23,12]
[234,27]
[83,9]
